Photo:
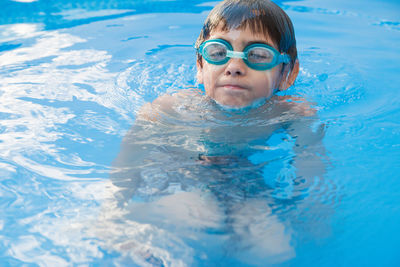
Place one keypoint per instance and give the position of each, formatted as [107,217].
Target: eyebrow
[245,44]
[258,42]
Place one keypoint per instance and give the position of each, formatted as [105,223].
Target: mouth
[234,87]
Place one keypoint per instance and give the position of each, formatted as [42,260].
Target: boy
[200,161]
[261,30]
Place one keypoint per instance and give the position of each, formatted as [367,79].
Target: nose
[235,67]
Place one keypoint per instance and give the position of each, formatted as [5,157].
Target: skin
[234,84]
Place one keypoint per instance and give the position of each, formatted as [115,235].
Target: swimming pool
[73,74]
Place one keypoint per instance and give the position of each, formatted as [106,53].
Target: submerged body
[188,127]
[189,166]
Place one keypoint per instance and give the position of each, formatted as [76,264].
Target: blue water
[74,74]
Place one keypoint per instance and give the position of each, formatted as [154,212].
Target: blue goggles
[256,56]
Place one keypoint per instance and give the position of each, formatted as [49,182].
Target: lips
[234,86]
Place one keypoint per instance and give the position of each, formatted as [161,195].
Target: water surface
[73,76]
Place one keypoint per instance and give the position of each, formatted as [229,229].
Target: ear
[199,75]
[289,76]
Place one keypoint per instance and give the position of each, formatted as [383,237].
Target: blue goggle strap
[284,58]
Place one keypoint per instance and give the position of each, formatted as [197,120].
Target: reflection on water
[49,93]
[56,14]
[40,87]
[198,185]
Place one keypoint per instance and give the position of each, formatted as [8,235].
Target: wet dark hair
[261,16]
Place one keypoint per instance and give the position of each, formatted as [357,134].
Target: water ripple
[328,82]
[41,114]
[146,80]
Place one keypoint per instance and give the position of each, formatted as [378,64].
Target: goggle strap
[284,58]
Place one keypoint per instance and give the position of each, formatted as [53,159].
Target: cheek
[272,78]
[265,83]
[265,80]
[210,74]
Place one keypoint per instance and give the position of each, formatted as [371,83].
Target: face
[234,84]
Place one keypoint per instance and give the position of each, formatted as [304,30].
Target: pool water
[74,74]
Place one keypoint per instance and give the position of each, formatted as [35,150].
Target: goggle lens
[215,52]
[260,55]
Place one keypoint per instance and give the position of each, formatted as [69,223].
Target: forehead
[241,36]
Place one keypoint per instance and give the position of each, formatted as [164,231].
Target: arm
[314,194]
[137,149]
[147,153]
[308,132]
[310,160]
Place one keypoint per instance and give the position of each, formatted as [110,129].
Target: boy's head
[238,24]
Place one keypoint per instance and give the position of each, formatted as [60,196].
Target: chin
[232,103]
[237,105]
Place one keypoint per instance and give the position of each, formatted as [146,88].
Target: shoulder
[303,122]
[295,106]
[166,104]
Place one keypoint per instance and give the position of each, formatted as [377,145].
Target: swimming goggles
[256,56]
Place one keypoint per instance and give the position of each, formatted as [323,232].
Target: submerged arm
[314,191]
[310,160]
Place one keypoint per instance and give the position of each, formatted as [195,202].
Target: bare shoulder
[164,104]
[303,122]
[296,105]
